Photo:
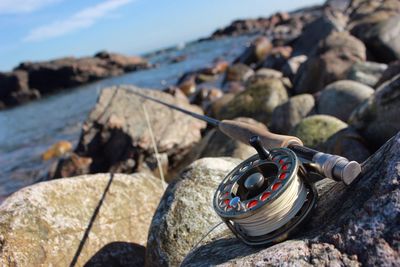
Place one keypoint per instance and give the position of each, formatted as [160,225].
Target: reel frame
[288,165]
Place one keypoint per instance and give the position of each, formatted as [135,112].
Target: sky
[34,30]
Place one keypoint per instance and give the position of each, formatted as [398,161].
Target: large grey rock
[340,98]
[258,101]
[287,115]
[383,39]
[367,73]
[330,62]
[351,226]
[378,118]
[317,129]
[317,30]
[97,218]
[117,138]
[185,213]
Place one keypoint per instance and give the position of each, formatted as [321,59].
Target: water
[29,130]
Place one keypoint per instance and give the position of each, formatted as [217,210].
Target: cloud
[23,6]
[80,20]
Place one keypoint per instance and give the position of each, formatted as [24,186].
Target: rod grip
[242,132]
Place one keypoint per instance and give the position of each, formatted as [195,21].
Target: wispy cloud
[23,6]
[80,20]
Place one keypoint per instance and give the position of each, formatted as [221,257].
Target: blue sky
[45,29]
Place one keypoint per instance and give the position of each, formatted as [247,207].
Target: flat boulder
[92,219]
[116,136]
[340,98]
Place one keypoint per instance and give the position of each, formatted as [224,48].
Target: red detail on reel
[265,196]
[226,201]
[282,176]
[276,186]
[285,167]
[281,161]
[252,203]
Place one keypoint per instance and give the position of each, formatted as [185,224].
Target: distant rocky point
[31,80]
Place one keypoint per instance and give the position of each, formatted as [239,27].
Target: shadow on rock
[118,254]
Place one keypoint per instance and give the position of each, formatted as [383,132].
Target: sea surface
[29,130]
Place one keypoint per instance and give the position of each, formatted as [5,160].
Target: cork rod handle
[242,132]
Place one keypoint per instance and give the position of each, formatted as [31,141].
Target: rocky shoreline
[31,80]
[335,84]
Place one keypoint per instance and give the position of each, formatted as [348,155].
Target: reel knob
[254,181]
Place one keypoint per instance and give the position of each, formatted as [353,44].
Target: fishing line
[153,141]
[278,212]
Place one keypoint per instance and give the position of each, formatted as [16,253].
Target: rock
[126,63]
[258,101]
[14,89]
[351,226]
[347,143]
[340,98]
[340,5]
[277,57]
[217,105]
[266,73]
[287,115]
[216,144]
[238,72]
[392,70]
[332,60]
[382,39]
[49,76]
[292,65]
[187,84]
[378,118]
[57,150]
[256,52]
[185,213]
[367,73]
[251,26]
[205,96]
[116,135]
[318,30]
[317,129]
[89,215]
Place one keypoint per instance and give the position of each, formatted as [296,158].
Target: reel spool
[265,197]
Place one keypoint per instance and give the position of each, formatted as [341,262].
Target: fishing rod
[268,195]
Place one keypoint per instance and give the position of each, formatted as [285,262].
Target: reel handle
[243,132]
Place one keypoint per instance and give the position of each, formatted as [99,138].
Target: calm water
[27,131]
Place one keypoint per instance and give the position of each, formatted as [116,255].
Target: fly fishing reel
[265,197]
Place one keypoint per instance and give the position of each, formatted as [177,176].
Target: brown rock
[128,147]
[332,60]
[256,52]
[14,89]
